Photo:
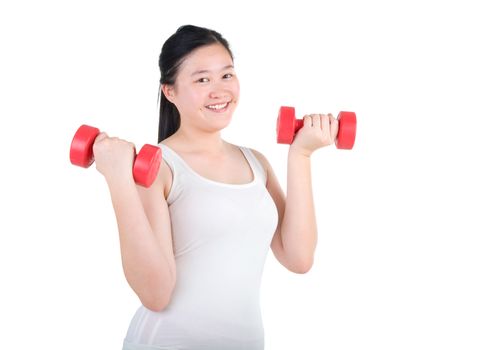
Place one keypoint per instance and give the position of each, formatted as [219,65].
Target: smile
[218,107]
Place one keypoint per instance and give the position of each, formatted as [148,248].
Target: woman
[194,244]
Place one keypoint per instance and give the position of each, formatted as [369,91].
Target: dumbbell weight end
[347,130]
[147,164]
[81,148]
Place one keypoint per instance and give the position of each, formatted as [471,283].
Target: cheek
[235,88]
[197,96]
[193,100]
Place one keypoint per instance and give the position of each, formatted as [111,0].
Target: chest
[215,220]
[232,170]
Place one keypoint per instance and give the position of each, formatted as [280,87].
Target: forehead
[212,57]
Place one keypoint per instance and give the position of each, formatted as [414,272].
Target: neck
[201,142]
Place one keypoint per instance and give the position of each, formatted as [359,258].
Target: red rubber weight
[347,130]
[81,150]
[146,163]
[288,125]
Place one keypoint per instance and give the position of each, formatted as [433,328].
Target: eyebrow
[207,71]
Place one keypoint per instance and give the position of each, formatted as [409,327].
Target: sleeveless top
[221,236]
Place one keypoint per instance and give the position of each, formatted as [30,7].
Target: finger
[324,122]
[316,121]
[334,126]
[307,121]
[101,136]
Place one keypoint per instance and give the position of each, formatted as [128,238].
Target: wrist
[297,152]
[116,182]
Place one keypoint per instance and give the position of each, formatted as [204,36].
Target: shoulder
[165,176]
[263,161]
[261,157]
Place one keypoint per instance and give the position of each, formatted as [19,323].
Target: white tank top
[221,236]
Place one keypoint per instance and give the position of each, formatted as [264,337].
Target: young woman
[193,245]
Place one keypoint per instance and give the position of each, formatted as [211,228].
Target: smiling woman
[197,73]
[221,215]
[206,82]
[194,244]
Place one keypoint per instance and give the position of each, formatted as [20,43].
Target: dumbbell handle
[146,162]
[288,126]
[299,123]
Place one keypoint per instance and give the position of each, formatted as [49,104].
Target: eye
[228,75]
[203,80]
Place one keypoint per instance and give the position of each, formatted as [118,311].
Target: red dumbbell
[146,163]
[288,125]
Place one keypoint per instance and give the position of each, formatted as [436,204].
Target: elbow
[154,306]
[301,270]
[157,303]
[302,267]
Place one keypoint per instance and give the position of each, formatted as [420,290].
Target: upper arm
[157,211]
[277,194]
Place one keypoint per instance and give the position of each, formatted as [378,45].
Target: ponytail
[169,118]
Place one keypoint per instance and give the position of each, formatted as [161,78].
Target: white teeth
[217,106]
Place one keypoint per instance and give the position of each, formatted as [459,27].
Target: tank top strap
[179,172]
[255,164]
[171,158]
[183,175]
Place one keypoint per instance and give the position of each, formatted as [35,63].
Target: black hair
[175,49]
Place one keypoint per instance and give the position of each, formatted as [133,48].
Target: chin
[220,125]
[218,122]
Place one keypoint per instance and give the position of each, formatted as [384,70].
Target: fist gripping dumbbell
[288,125]
[146,163]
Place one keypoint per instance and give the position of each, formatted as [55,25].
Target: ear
[169,92]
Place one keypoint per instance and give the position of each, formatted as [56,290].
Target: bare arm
[148,268]
[299,229]
[143,222]
[295,239]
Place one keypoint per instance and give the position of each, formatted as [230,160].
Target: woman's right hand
[114,157]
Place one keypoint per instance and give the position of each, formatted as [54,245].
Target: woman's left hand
[319,130]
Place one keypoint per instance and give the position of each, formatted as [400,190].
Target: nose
[219,91]
[218,95]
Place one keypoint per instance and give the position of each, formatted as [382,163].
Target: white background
[398,262]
